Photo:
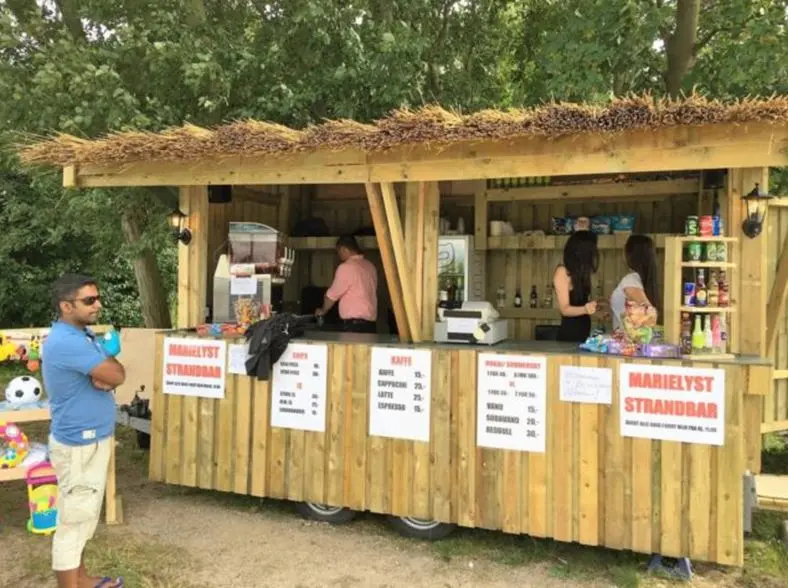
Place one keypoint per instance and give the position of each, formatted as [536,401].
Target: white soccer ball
[23,390]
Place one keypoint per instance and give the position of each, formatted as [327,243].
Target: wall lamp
[180,233]
[756,205]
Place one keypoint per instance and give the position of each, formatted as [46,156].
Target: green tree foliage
[86,67]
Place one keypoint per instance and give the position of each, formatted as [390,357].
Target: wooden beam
[414,236]
[387,257]
[401,259]
[193,258]
[70,176]
[601,191]
[480,223]
[431,206]
[776,304]
[676,148]
[774,427]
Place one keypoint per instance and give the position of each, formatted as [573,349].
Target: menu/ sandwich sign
[511,395]
[194,367]
[298,388]
[673,403]
[399,393]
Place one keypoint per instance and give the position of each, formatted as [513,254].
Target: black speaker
[220,194]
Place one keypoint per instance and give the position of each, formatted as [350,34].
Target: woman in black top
[572,284]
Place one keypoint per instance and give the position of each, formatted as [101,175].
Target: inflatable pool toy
[16,445]
[23,390]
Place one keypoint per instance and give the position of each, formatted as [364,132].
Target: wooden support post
[387,257]
[400,258]
[283,210]
[414,236]
[193,258]
[431,205]
[776,305]
[480,220]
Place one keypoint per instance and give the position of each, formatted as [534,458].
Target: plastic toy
[111,342]
[42,499]
[16,445]
[7,349]
[23,390]
[34,354]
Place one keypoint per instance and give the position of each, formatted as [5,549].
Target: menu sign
[511,402]
[399,393]
[194,367]
[298,390]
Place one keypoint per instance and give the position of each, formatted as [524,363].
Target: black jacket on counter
[268,340]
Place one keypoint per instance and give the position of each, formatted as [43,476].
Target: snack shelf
[708,356]
[689,239]
[707,309]
[708,264]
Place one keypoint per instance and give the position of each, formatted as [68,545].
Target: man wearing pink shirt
[355,288]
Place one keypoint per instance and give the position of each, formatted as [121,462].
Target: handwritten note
[243,286]
[236,359]
[586,384]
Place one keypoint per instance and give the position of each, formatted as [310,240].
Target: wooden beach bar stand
[580,478]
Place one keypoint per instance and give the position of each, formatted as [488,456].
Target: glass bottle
[534,298]
[701,294]
[698,339]
[518,298]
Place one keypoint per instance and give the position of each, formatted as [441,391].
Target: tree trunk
[680,46]
[153,297]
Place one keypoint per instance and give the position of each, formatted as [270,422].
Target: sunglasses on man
[87,300]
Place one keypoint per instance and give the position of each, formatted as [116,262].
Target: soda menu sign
[399,393]
[194,367]
[511,402]
[673,403]
[298,388]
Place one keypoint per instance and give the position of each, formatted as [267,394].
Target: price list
[511,402]
[399,393]
[299,388]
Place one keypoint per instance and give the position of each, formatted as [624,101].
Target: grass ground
[148,561]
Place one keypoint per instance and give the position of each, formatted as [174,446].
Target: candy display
[601,224]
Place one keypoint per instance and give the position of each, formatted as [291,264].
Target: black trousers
[359,326]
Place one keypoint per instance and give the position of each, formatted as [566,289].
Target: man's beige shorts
[81,477]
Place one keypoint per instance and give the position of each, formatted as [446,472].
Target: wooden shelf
[707,309]
[24,416]
[552,242]
[708,264]
[328,243]
[11,474]
[687,239]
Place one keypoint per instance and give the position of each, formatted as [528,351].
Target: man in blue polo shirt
[80,372]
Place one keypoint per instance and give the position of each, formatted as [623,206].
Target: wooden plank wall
[775,409]
[591,486]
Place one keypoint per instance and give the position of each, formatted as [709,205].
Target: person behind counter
[640,284]
[572,285]
[355,288]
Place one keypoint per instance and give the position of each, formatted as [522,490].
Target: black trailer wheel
[420,528]
[143,440]
[336,515]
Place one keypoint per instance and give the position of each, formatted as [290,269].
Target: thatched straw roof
[431,125]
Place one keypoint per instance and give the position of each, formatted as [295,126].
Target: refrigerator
[461,268]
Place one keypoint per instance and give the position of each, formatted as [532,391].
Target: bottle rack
[677,268]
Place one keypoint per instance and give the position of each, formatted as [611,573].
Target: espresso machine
[250,275]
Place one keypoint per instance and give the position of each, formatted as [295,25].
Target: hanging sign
[237,354]
[673,403]
[194,367]
[399,393]
[298,388]
[511,396]
[587,385]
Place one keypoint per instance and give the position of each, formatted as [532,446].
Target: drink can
[691,226]
[693,252]
[705,226]
[689,293]
[716,226]
[722,252]
[711,252]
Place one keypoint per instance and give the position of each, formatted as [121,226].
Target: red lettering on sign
[673,382]
[200,350]
[688,408]
[300,355]
[401,360]
[193,371]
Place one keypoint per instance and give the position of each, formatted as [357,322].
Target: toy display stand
[42,499]
[114,511]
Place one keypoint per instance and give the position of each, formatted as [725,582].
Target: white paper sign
[243,286]
[298,390]
[673,403]
[399,393]
[237,354]
[586,384]
[194,367]
[511,395]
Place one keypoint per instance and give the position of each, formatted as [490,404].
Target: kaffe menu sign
[399,393]
[511,402]
[673,403]
[298,388]
[194,367]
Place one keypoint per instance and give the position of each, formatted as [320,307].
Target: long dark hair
[581,259]
[642,258]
